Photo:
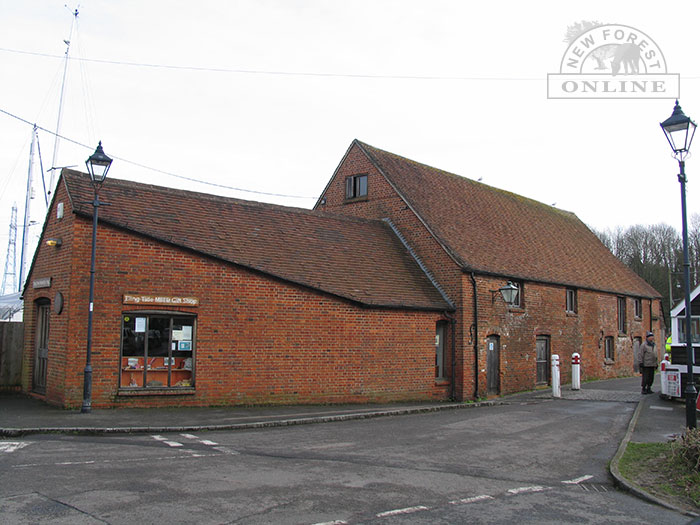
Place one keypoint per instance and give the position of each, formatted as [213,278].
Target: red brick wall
[384,202]
[544,313]
[56,263]
[259,340]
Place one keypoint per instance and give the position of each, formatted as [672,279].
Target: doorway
[543,358]
[493,365]
[41,352]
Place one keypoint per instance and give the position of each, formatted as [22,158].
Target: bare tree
[655,253]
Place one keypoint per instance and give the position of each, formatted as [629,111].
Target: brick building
[386,291]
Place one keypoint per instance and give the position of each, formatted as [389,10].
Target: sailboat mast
[27,215]
[60,105]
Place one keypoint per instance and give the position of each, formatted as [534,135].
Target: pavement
[654,420]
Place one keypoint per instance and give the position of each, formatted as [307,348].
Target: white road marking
[226,450]
[654,407]
[12,446]
[167,441]
[336,522]
[473,499]
[576,481]
[202,441]
[108,461]
[407,510]
[521,490]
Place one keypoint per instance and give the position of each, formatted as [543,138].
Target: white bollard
[575,371]
[664,376]
[556,381]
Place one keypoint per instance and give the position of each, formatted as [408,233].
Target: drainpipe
[476,338]
[453,322]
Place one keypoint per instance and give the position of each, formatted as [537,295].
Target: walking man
[648,361]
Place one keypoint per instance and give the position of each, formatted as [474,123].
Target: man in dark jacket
[648,361]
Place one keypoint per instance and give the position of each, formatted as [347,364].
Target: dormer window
[356,186]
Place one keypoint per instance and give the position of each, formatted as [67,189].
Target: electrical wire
[272,72]
[163,172]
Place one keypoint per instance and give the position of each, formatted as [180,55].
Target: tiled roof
[494,231]
[357,259]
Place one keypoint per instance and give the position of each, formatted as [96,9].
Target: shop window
[356,186]
[571,301]
[157,351]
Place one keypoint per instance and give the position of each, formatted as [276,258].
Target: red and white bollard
[556,378]
[575,371]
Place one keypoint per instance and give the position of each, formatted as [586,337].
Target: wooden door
[543,360]
[41,353]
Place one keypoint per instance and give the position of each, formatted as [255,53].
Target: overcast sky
[268,95]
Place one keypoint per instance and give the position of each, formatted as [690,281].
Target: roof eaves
[578,286]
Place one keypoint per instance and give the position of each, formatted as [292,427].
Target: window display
[157,351]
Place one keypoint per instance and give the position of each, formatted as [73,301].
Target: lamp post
[98,165]
[679,130]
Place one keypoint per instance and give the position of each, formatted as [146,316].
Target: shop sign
[160,300]
[44,282]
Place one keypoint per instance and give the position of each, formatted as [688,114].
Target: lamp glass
[679,130]
[98,165]
[509,292]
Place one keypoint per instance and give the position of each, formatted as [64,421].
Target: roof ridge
[468,180]
[411,180]
[124,183]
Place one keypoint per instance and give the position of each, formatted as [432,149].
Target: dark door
[41,354]
[543,357]
[493,365]
[440,349]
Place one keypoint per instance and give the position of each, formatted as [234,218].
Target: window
[609,348]
[356,186]
[571,301]
[157,351]
[621,315]
[637,308]
[543,358]
[518,299]
[694,329]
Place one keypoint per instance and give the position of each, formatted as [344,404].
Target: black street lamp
[98,165]
[679,131]
[509,293]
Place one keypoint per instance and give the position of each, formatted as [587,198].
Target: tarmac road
[535,460]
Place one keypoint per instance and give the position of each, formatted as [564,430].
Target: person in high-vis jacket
[648,362]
